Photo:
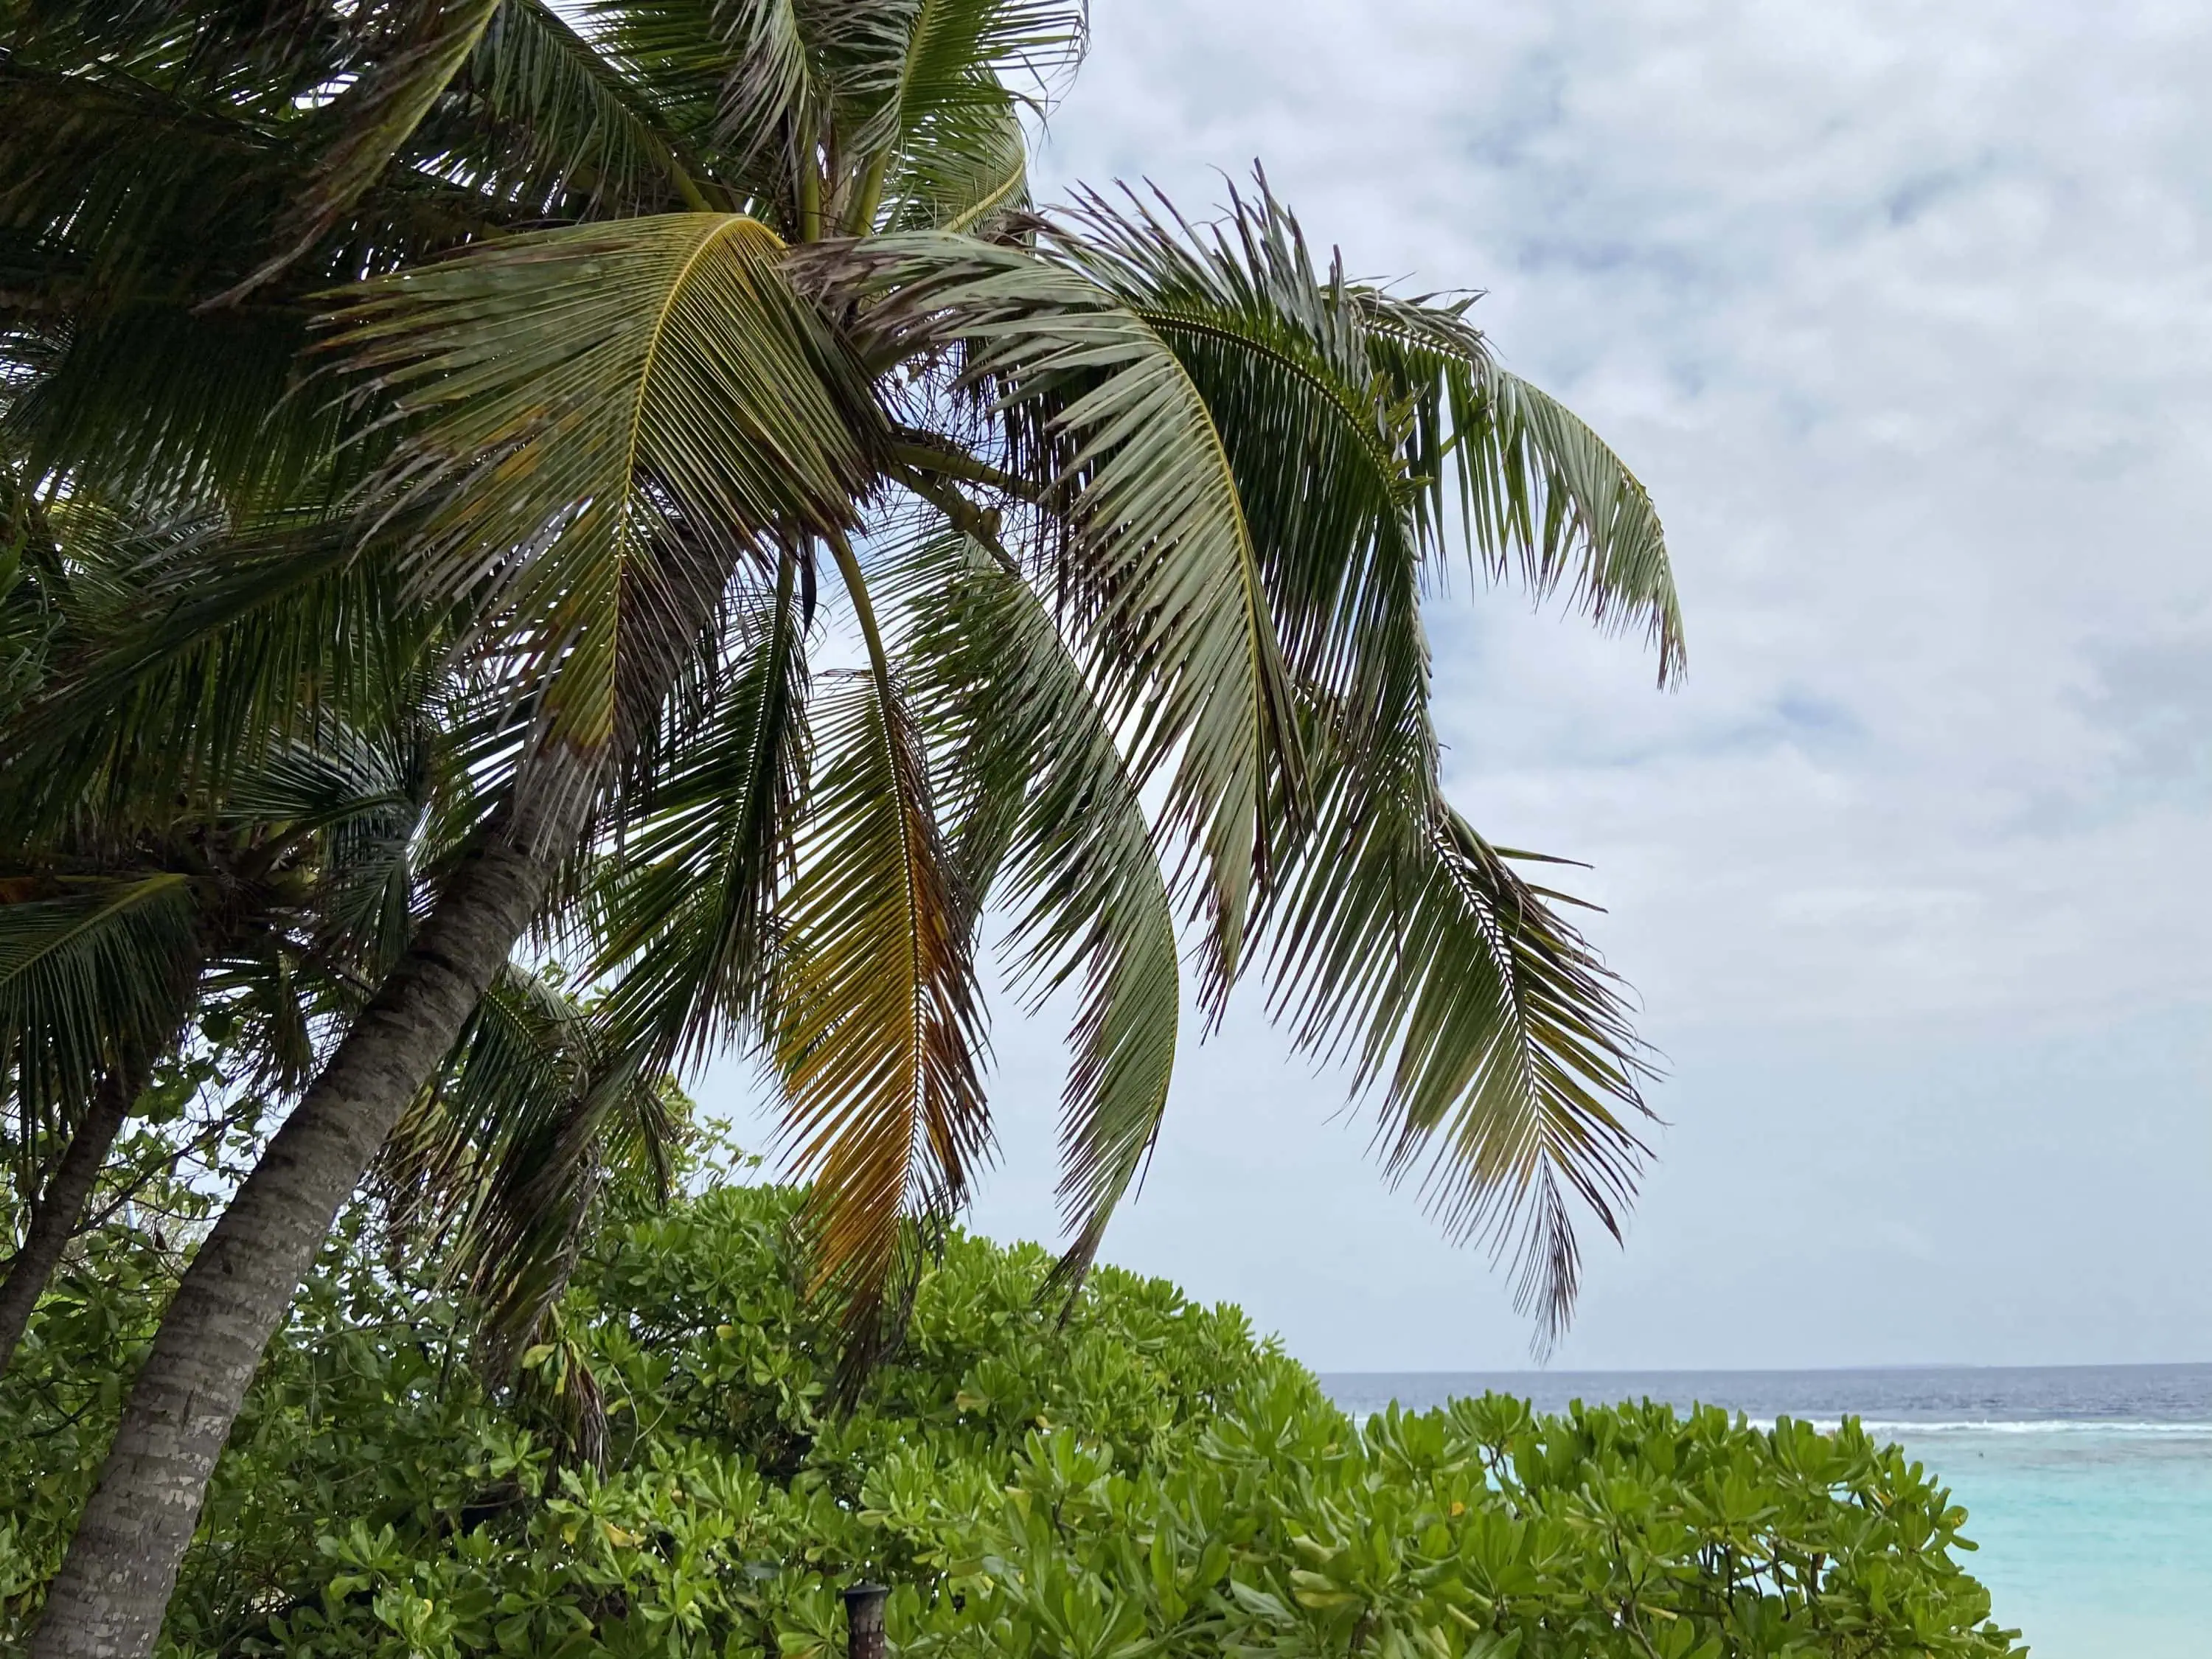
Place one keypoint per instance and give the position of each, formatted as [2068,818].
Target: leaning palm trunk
[58,1209]
[115,1585]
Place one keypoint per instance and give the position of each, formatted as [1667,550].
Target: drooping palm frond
[370,801]
[499,1162]
[1159,573]
[1503,1047]
[1359,419]
[259,59]
[86,968]
[1008,702]
[769,101]
[687,911]
[120,206]
[1315,435]
[1538,490]
[877,1030]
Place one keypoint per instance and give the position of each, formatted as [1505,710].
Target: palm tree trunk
[114,1586]
[55,1214]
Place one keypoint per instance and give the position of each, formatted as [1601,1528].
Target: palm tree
[1120,510]
[270,907]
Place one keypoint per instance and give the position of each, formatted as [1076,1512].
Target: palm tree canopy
[583,352]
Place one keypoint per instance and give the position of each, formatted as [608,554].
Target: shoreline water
[2089,1488]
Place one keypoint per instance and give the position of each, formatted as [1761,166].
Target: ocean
[2089,1487]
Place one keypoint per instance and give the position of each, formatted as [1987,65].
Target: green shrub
[1145,1478]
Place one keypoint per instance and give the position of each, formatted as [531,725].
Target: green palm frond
[607,423]
[368,797]
[566,119]
[88,966]
[242,642]
[961,180]
[1501,1045]
[678,53]
[946,119]
[1314,435]
[160,402]
[261,57]
[1159,573]
[124,183]
[429,41]
[123,207]
[1506,1046]
[768,94]
[499,1162]
[876,1027]
[689,909]
[1538,491]
[1004,697]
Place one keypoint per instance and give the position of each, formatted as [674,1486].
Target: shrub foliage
[672,1476]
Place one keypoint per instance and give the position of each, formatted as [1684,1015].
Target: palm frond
[877,1025]
[1001,694]
[1160,575]
[564,122]
[500,1161]
[368,796]
[960,179]
[943,115]
[1509,1057]
[241,642]
[679,54]
[88,967]
[1539,492]
[688,911]
[1314,433]
[430,40]
[607,423]
[1508,1068]
[169,405]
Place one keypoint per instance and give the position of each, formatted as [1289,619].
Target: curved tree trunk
[55,1215]
[114,1586]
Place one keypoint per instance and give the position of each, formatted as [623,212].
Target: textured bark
[114,1586]
[55,1216]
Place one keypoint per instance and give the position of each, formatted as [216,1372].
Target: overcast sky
[1904,313]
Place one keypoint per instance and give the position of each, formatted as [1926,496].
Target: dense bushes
[1147,1478]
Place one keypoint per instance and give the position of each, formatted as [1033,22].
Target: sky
[1903,314]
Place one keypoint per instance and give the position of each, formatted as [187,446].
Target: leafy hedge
[1145,1478]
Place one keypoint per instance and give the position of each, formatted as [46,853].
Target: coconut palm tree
[270,907]
[1131,519]
[271,910]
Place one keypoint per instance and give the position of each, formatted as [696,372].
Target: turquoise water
[2089,1487]
[2095,1540]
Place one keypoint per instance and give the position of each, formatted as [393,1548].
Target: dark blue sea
[2089,1487]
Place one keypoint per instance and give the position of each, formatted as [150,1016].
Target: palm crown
[1121,506]
[580,354]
